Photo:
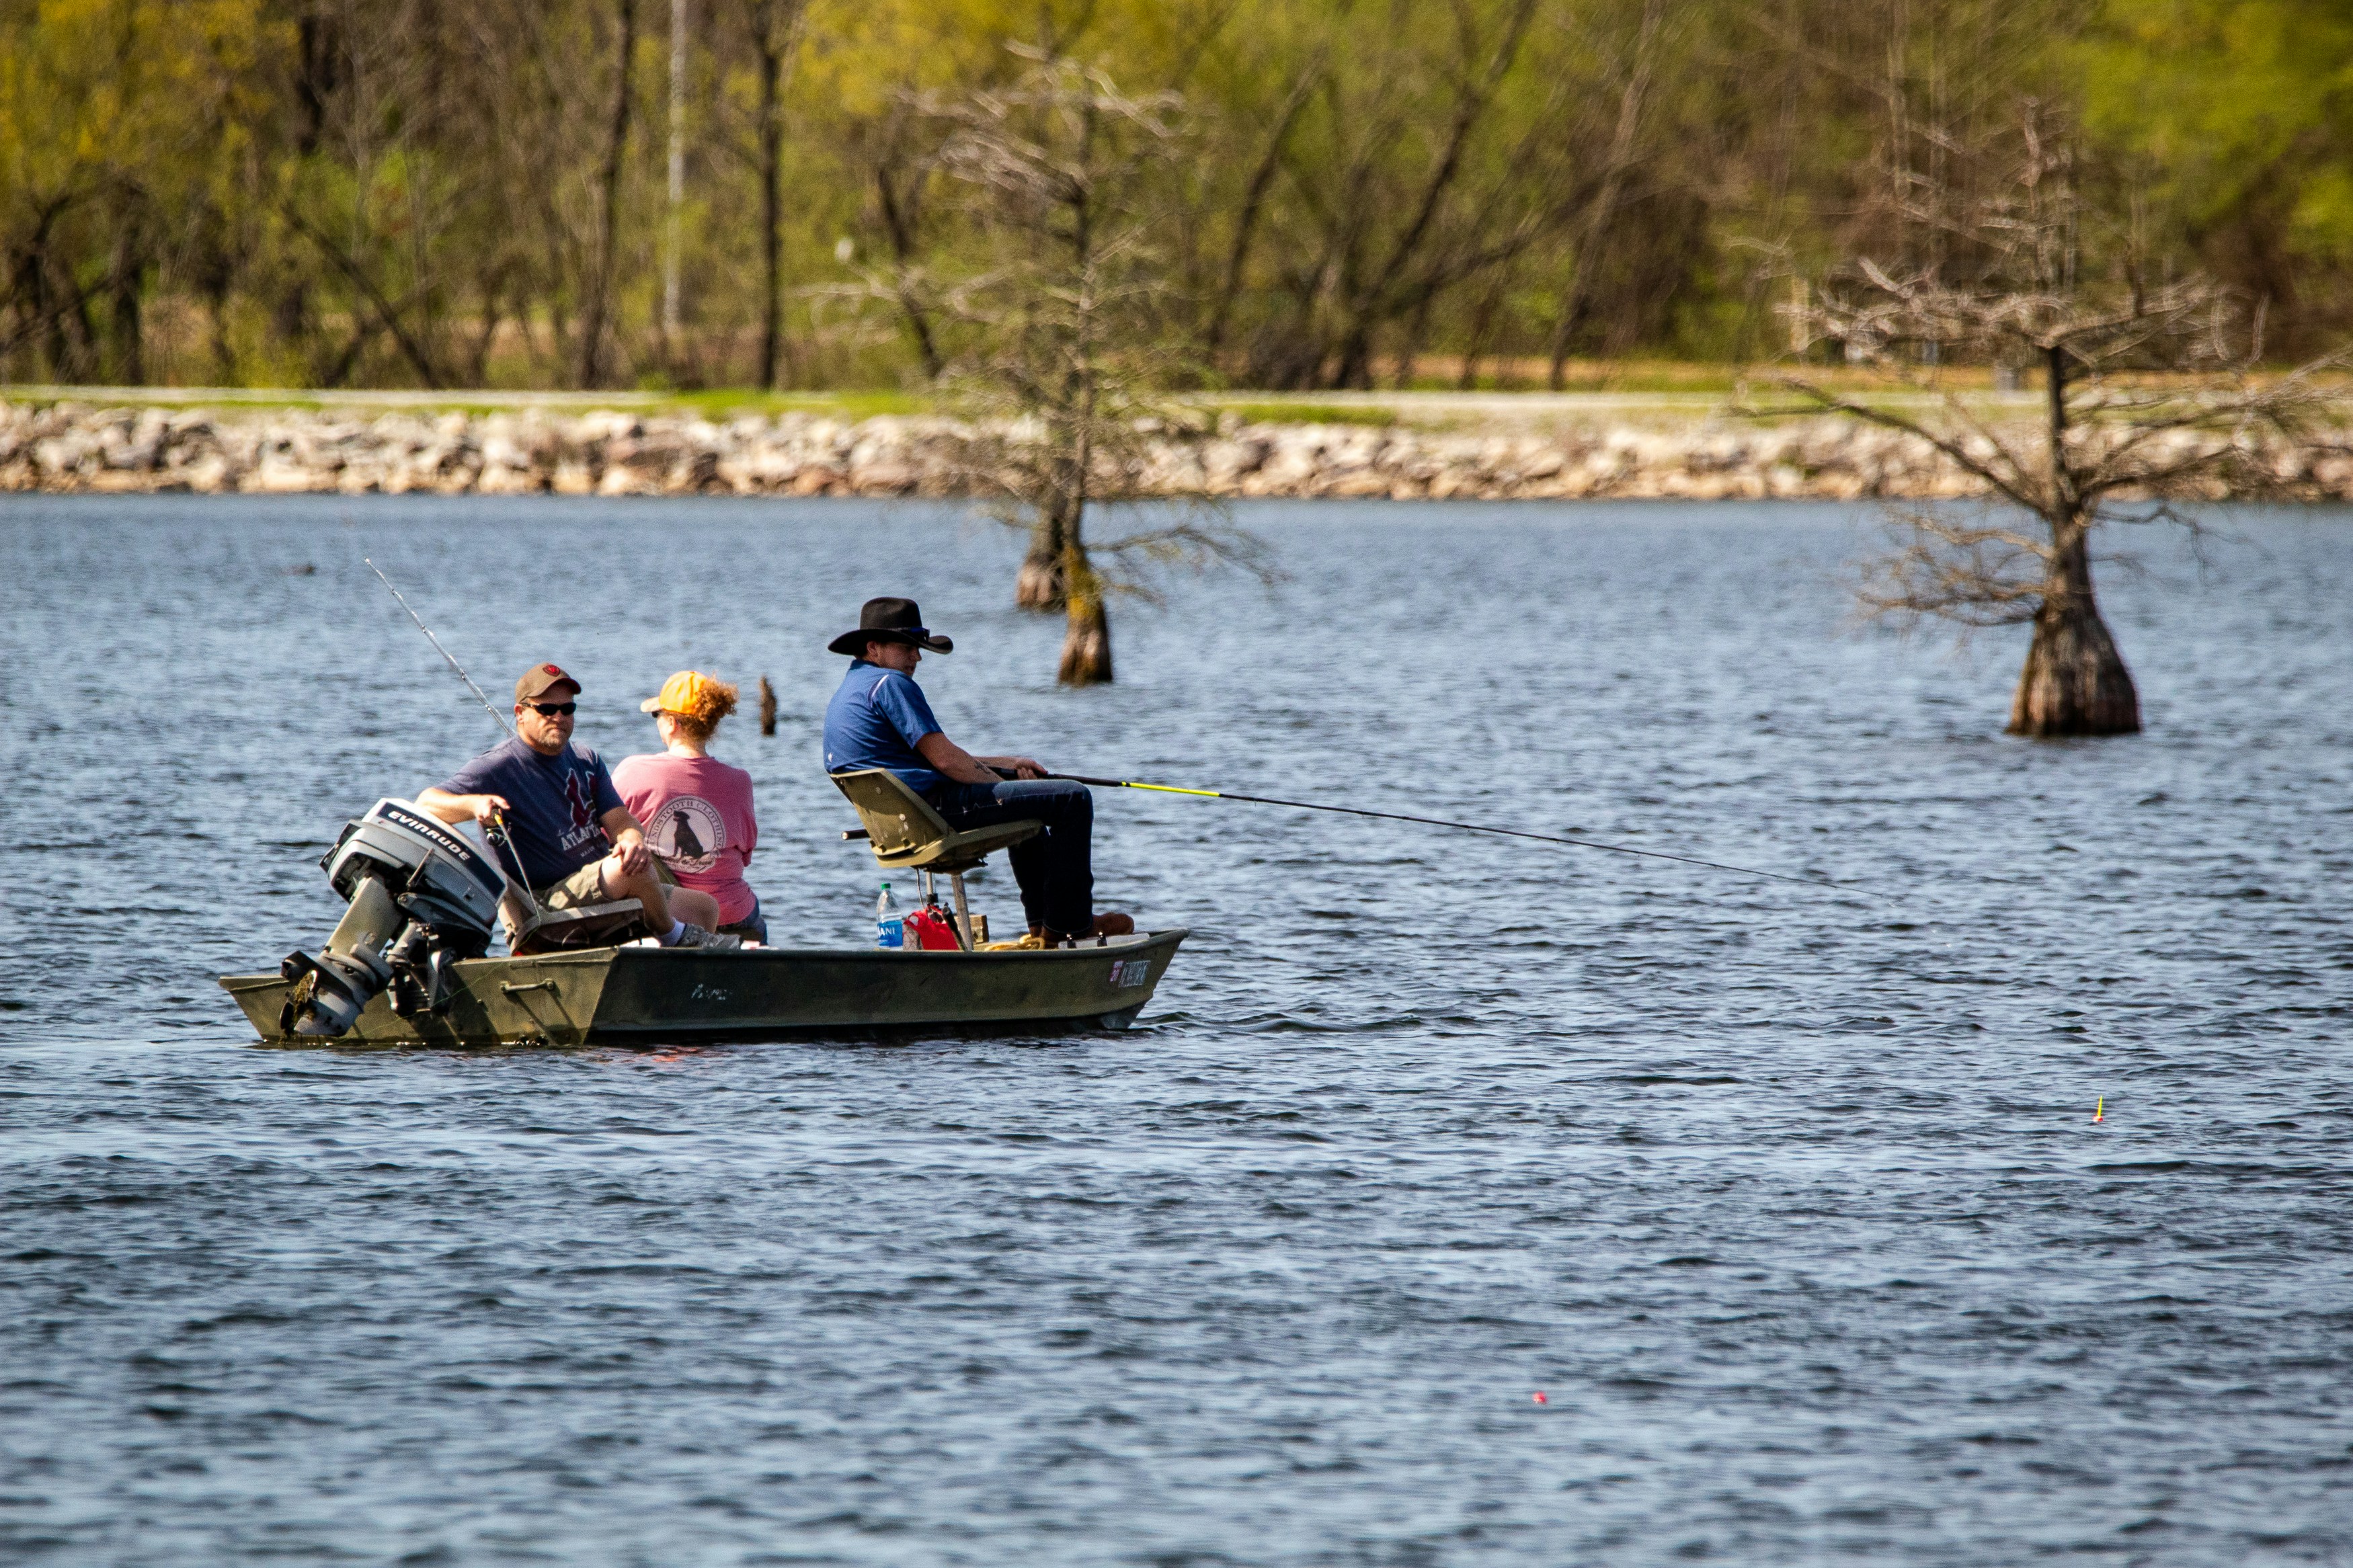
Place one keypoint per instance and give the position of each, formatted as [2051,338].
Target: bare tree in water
[2152,399]
[1058,354]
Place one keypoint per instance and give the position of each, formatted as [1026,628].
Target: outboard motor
[421,898]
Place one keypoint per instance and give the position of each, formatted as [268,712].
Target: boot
[1110,925]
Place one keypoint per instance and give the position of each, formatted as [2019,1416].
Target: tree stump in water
[2074,682]
[767,707]
[1086,649]
[1039,586]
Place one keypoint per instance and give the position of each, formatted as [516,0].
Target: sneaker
[717,941]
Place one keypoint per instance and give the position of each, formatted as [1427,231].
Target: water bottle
[890,930]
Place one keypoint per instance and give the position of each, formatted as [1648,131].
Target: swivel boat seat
[906,833]
[532,929]
[590,925]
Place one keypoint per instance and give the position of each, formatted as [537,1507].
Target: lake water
[1790,1203]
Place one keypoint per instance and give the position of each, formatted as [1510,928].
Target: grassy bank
[1654,395]
[1644,393]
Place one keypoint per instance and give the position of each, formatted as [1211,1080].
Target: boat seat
[907,834]
[590,925]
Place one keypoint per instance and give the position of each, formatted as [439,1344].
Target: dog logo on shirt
[687,833]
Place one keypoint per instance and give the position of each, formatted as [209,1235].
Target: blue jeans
[754,925]
[1055,868]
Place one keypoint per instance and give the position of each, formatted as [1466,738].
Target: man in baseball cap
[578,842]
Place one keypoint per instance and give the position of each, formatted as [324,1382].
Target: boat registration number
[1130,971]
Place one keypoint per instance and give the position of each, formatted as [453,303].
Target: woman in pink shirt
[696,809]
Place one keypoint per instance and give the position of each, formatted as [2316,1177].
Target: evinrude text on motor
[421,898]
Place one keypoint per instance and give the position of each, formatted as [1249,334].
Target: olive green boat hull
[642,996]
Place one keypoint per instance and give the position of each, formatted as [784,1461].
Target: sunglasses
[551,710]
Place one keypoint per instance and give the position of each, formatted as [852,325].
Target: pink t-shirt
[698,817]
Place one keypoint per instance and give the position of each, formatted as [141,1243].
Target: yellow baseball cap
[687,693]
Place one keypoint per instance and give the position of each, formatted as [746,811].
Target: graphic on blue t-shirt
[577,792]
[555,804]
[876,717]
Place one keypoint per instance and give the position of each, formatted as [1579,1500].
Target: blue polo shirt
[874,720]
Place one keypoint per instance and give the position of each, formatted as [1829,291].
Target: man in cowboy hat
[879,719]
[578,843]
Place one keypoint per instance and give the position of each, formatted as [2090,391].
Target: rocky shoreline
[64,447]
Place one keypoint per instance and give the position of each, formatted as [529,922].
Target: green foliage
[2237,115]
[347,193]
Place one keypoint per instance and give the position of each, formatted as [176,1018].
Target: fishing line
[1471,827]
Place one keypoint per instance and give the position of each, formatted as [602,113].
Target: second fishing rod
[1574,843]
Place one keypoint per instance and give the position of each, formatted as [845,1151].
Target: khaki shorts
[583,888]
[587,886]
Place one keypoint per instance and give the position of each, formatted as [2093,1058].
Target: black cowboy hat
[889,620]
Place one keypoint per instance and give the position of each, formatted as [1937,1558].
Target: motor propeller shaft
[352,968]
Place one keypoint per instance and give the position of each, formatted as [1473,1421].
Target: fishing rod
[440,649]
[494,831]
[1466,827]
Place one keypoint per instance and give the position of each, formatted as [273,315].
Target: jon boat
[395,971]
[646,995]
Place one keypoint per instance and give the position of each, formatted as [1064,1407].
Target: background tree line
[554,193]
